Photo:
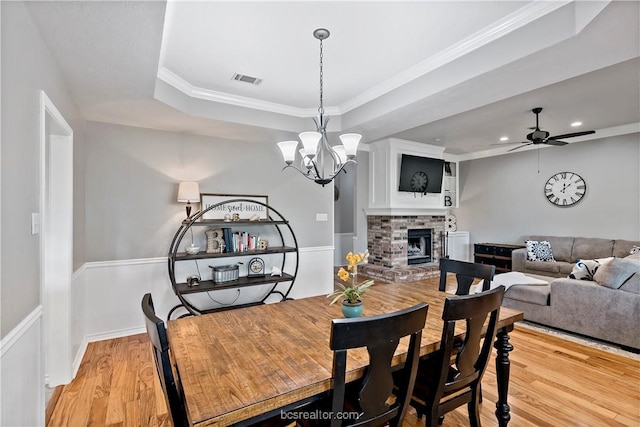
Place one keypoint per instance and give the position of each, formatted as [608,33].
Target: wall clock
[419,182]
[565,189]
[256,267]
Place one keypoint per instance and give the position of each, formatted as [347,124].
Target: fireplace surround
[388,245]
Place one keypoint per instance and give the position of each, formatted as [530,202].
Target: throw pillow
[584,269]
[634,250]
[616,272]
[539,251]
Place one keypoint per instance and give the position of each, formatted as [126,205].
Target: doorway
[56,241]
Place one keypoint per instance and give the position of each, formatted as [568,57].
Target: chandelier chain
[321,108]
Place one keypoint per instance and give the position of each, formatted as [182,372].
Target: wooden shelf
[182,256]
[209,285]
[222,223]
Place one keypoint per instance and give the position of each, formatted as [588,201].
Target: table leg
[502,374]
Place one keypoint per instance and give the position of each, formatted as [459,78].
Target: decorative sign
[240,206]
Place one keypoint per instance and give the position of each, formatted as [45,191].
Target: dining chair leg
[474,410]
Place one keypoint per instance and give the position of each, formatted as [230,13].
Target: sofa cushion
[534,294]
[539,250]
[591,248]
[632,285]
[565,268]
[616,272]
[546,266]
[622,248]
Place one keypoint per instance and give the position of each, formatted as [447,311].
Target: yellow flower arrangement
[354,291]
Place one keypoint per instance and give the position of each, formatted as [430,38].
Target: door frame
[56,241]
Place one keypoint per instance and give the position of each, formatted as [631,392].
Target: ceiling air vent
[247,79]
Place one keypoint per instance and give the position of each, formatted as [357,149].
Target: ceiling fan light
[350,142]
[310,141]
[288,150]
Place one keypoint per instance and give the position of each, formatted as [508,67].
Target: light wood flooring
[554,382]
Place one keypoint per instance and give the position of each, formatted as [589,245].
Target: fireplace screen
[419,246]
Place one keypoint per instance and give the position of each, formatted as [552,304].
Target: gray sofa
[582,306]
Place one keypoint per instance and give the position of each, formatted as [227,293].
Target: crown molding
[188,89]
[498,29]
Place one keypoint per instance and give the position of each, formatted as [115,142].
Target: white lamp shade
[188,192]
[310,142]
[288,149]
[350,142]
[305,159]
[340,151]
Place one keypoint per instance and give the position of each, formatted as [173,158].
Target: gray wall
[27,67]
[345,205]
[502,198]
[132,177]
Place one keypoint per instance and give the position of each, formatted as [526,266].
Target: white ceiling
[459,74]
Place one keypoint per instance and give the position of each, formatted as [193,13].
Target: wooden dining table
[239,366]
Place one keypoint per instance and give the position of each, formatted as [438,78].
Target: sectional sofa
[604,305]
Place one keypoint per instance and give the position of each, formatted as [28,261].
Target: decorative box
[225,273]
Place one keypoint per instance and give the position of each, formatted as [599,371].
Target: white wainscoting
[112,292]
[22,374]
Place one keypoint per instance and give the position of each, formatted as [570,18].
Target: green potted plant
[351,291]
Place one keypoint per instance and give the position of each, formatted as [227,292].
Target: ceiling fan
[542,136]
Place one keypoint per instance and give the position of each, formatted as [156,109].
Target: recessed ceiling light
[576,124]
[504,138]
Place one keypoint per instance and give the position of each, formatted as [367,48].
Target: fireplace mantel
[405,212]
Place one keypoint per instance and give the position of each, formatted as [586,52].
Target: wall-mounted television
[421,174]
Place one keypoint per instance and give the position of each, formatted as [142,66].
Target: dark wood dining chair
[466,273]
[158,336]
[452,377]
[366,401]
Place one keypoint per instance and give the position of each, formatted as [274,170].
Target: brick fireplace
[388,242]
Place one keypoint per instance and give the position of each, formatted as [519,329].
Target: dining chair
[452,377]
[466,273]
[158,336]
[369,397]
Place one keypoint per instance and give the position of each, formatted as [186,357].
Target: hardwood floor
[554,382]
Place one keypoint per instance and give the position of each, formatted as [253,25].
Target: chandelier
[319,161]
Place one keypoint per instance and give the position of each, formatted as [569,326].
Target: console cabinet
[497,254]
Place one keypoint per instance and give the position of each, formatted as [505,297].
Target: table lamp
[188,192]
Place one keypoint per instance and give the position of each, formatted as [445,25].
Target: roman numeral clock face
[565,189]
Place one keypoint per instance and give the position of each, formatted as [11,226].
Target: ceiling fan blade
[555,142]
[509,143]
[516,148]
[571,135]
